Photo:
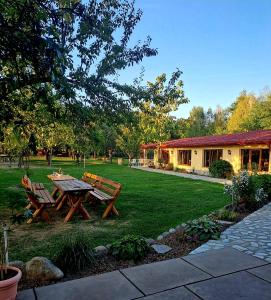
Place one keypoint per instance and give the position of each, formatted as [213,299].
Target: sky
[221,46]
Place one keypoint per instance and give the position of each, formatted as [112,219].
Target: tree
[76,48]
[53,135]
[240,112]
[197,122]
[160,98]
[260,114]
[129,140]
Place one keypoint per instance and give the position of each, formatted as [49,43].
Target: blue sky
[222,47]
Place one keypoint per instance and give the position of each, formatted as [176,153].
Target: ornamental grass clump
[130,247]
[202,229]
[73,253]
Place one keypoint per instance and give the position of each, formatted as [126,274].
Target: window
[184,157]
[255,159]
[211,155]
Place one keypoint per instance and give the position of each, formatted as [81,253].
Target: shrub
[169,166]
[264,182]
[221,169]
[130,247]
[203,229]
[244,193]
[74,253]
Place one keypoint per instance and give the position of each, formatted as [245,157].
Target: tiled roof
[242,139]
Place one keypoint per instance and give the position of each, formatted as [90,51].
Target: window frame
[219,157]
[187,156]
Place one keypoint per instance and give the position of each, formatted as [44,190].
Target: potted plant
[9,275]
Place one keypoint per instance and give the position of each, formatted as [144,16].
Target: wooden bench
[105,191]
[39,199]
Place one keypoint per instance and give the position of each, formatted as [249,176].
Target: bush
[264,182]
[130,247]
[202,229]
[244,193]
[74,253]
[221,169]
[169,166]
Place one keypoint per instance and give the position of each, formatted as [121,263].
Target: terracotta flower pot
[8,287]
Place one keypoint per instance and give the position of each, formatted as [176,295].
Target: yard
[149,204]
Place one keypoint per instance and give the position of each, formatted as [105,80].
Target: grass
[149,204]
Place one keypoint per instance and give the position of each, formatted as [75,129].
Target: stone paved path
[217,274]
[252,235]
[190,176]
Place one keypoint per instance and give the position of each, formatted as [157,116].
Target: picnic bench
[39,199]
[105,191]
[73,192]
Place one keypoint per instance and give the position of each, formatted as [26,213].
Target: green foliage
[221,169]
[248,191]
[202,229]
[130,247]
[264,182]
[159,100]
[39,51]
[241,112]
[74,253]
[129,140]
[226,215]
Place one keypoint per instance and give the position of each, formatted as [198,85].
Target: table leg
[84,212]
[72,210]
[63,200]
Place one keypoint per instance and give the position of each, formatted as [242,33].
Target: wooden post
[260,161]
[6,244]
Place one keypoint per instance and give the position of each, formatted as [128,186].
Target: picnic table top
[72,185]
[60,177]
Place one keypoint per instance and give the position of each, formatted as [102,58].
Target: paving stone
[252,233]
[160,276]
[26,295]
[176,294]
[161,249]
[108,286]
[263,272]
[223,261]
[241,285]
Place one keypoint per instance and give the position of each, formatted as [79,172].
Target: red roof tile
[241,139]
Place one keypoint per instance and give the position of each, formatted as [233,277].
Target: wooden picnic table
[73,192]
[58,177]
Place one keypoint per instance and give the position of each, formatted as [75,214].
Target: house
[247,150]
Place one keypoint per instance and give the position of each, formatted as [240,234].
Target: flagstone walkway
[252,235]
[184,175]
[217,274]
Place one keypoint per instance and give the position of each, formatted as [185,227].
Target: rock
[161,249]
[172,230]
[42,269]
[18,264]
[108,246]
[165,234]
[150,241]
[222,222]
[101,250]
[159,238]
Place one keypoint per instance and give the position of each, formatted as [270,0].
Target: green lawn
[149,204]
